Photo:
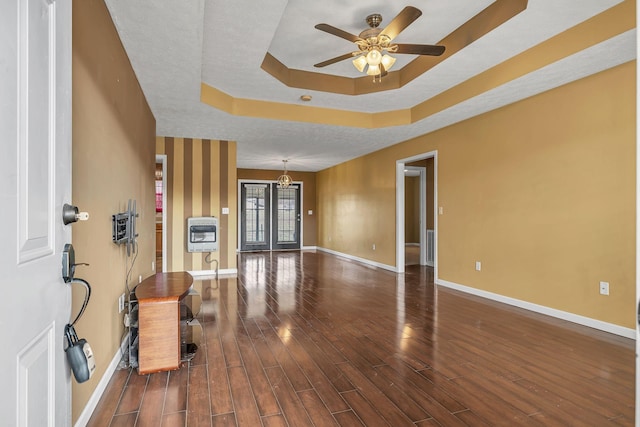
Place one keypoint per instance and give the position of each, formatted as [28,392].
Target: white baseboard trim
[309,248]
[85,416]
[564,315]
[223,272]
[361,260]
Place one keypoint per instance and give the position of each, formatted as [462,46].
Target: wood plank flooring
[411,255]
[310,339]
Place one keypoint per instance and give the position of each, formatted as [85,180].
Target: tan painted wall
[541,191]
[412,209]
[309,225]
[113,161]
[430,192]
[356,208]
[201,180]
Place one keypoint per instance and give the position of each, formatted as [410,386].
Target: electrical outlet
[121,303]
[604,288]
[374,247]
[478,266]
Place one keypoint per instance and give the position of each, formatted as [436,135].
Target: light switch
[225,211]
[310,212]
[440,210]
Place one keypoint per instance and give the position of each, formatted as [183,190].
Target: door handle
[69,263]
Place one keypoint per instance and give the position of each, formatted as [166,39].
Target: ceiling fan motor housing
[369,33]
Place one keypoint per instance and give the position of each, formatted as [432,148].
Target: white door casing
[400,206]
[35,124]
[637,231]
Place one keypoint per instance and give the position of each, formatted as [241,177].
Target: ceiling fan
[375,44]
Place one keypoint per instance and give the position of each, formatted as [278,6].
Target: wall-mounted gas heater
[202,234]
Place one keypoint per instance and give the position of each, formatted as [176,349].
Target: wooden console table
[159,299]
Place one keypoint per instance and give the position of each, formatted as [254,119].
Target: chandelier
[284,180]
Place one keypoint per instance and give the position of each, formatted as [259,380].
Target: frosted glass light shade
[388,61]
[374,57]
[373,70]
[360,62]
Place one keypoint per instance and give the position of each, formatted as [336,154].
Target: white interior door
[35,165]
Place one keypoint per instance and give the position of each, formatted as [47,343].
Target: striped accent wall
[200,180]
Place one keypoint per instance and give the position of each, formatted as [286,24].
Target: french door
[269,217]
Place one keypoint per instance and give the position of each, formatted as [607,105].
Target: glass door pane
[286,212]
[255,209]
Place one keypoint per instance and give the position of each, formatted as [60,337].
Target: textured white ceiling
[174,45]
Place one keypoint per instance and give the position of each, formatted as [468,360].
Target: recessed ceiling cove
[239,35]
[409,60]
[181,50]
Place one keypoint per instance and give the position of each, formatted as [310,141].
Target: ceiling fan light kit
[374,64]
[374,44]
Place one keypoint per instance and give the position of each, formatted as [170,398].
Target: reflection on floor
[412,254]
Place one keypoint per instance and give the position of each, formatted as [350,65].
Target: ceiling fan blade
[420,49]
[333,60]
[401,21]
[337,32]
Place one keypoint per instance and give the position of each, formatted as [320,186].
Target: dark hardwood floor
[411,255]
[303,339]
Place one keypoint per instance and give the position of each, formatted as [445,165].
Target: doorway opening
[161,215]
[414,214]
[416,206]
[269,216]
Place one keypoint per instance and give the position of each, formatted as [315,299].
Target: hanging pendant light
[284,180]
